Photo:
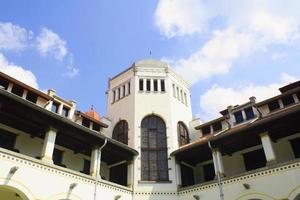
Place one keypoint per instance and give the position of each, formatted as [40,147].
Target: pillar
[268,148]
[60,108]
[130,172]
[218,162]
[94,160]
[178,175]
[10,86]
[48,146]
[24,95]
[48,106]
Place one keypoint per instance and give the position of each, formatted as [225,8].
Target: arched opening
[120,132]
[183,134]
[11,193]
[154,156]
[297,197]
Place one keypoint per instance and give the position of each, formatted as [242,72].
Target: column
[48,106]
[268,148]
[48,146]
[60,108]
[24,95]
[10,86]
[72,110]
[130,172]
[94,160]
[178,175]
[220,162]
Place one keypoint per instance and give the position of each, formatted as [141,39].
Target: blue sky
[228,50]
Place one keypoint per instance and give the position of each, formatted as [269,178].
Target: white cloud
[218,98]
[178,17]
[49,43]
[17,72]
[13,37]
[244,27]
[216,56]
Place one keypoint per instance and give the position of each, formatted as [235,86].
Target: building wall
[40,181]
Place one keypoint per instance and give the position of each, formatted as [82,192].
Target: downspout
[98,167]
[218,174]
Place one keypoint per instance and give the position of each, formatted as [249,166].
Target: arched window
[120,132]
[154,156]
[183,134]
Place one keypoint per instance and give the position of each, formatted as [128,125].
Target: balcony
[266,183]
[31,179]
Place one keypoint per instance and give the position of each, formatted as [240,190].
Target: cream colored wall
[38,180]
[278,183]
[29,146]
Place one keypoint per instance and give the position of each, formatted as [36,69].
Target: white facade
[133,107]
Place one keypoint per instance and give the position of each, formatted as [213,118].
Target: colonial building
[147,146]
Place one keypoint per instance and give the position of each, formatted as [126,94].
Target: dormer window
[217,126]
[32,97]
[4,84]
[274,105]
[65,111]
[86,122]
[206,130]
[54,107]
[287,100]
[17,90]
[249,113]
[238,117]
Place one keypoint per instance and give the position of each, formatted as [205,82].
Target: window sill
[156,182]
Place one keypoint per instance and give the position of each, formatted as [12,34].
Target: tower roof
[93,114]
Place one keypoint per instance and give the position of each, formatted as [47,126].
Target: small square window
[273,105]
[86,122]
[206,130]
[249,113]
[217,126]
[65,112]
[31,97]
[238,117]
[288,100]
[119,93]
[123,91]
[114,96]
[17,90]
[54,107]
[4,84]
[96,127]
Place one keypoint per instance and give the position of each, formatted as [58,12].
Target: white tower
[150,101]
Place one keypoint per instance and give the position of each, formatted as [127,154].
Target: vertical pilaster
[130,172]
[178,175]
[268,148]
[10,86]
[60,108]
[48,146]
[94,168]
[24,95]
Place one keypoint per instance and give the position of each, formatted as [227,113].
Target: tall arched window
[120,132]
[154,156]
[183,134]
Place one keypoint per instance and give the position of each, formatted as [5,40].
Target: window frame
[120,132]
[154,145]
[183,134]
